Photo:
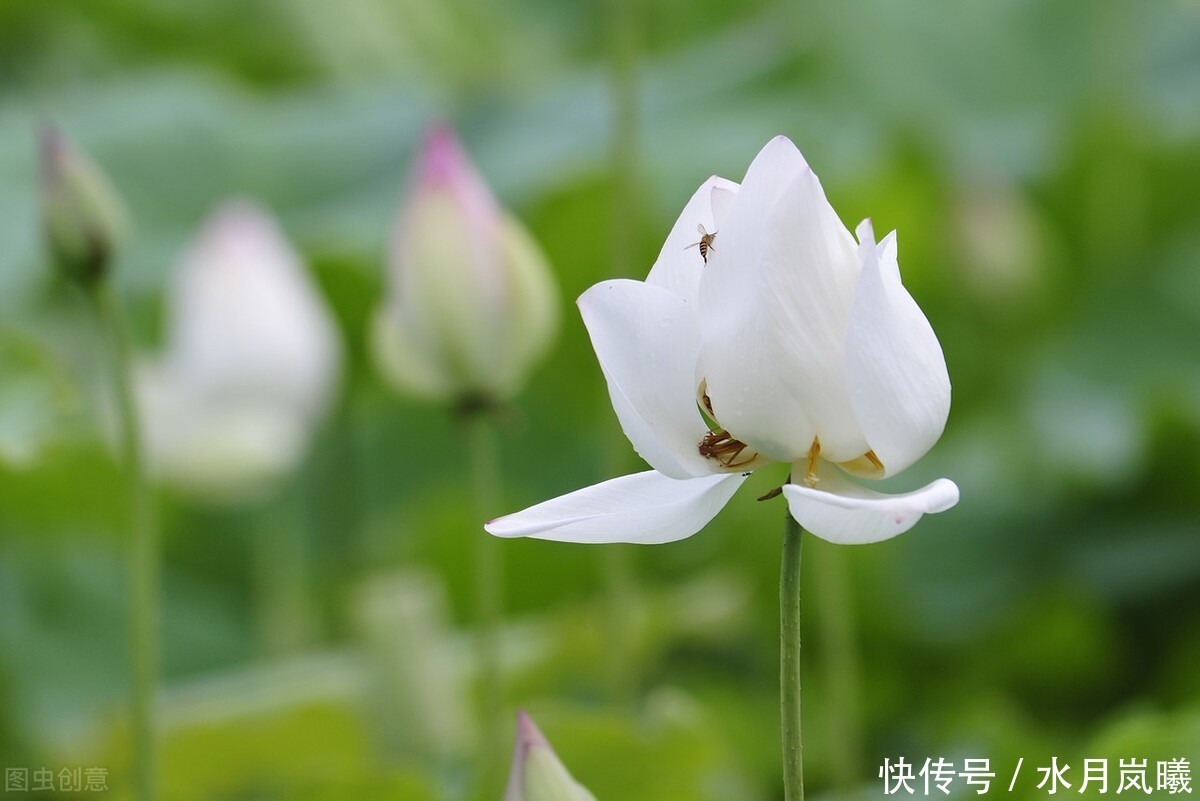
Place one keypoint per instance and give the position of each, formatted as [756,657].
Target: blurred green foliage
[1039,161]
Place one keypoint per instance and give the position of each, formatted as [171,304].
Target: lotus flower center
[810,471]
[719,444]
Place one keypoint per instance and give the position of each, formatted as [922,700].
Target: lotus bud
[82,215]
[250,363]
[537,774]
[471,304]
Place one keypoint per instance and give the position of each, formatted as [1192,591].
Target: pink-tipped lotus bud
[537,773]
[471,304]
[82,216]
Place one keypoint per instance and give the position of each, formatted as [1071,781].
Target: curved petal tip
[645,508]
[845,513]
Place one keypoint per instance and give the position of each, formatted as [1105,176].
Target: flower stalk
[836,618]
[619,568]
[286,619]
[789,662]
[624,53]
[484,455]
[143,551]
[620,579]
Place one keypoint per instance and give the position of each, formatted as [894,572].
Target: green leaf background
[1040,162]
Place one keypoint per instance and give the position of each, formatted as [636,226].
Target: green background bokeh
[1040,161]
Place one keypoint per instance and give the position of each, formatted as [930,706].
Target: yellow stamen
[810,474]
[720,445]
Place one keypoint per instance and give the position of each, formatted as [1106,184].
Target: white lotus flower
[793,343]
[250,363]
[537,773]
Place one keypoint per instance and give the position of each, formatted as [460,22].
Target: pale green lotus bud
[537,774]
[82,215]
[471,304]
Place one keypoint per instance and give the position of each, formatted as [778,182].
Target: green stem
[619,573]
[619,577]
[143,552]
[789,662]
[489,573]
[836,615]
[281,558]
[624,65]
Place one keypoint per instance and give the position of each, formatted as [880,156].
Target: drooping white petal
[774,299]
[842,512]
[895,371]
[645,508]
[647,340]
[679,264]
